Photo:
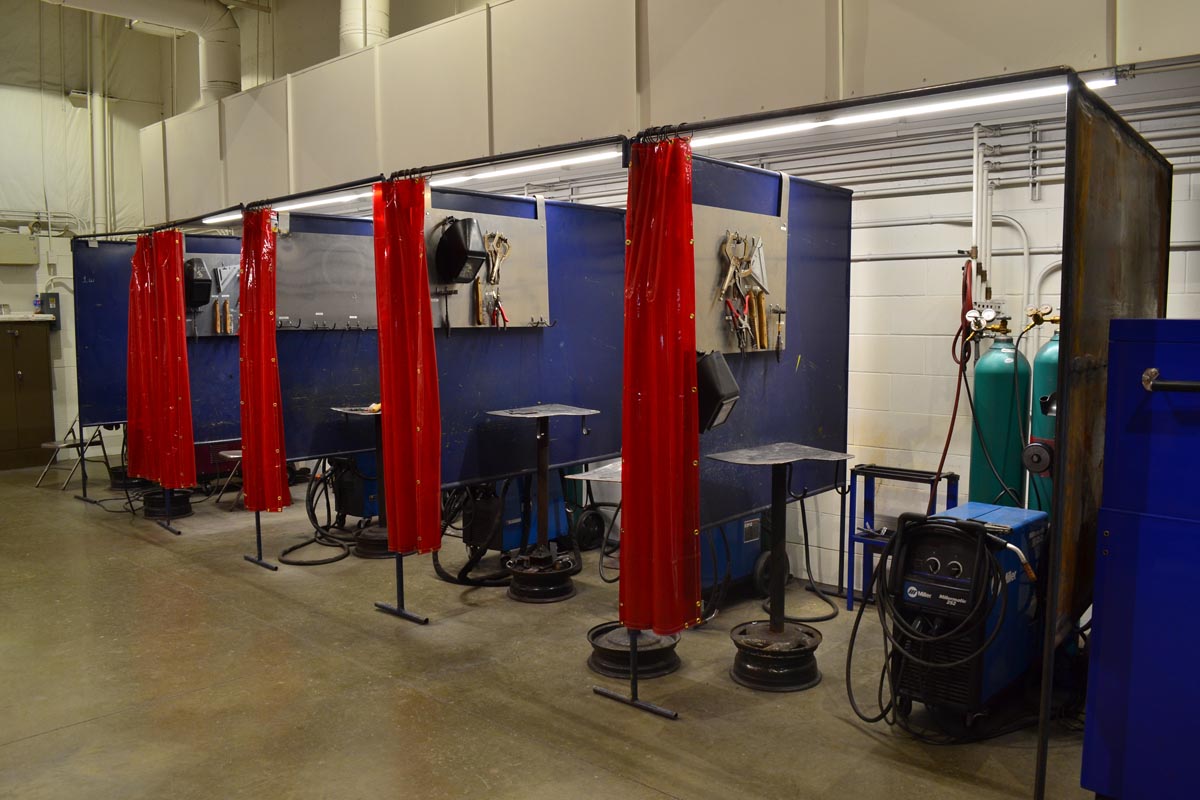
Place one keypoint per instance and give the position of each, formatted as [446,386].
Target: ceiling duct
[362,23]
[210,20]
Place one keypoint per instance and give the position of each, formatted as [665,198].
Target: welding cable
[716,597]
[455,504]
[319,482]
[607,548]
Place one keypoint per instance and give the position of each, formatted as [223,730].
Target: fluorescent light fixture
[899,112]
[217,219]
[527,168]
[324,201]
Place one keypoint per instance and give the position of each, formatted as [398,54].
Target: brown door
[35,401]
[8,388]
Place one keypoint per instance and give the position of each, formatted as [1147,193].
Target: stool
[869,539]
[236,456]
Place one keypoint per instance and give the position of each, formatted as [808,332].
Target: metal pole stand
[544,575]
[166,524]
[258,541]
[632,699]
[399,610]
[776,655]
[83,446]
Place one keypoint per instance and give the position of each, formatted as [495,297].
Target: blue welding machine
[959,594]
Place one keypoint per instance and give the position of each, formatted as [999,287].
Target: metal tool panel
[102,333]
[325,277]
[804,398]
[710,227]
[1116,234]
[226,288]
[523,274]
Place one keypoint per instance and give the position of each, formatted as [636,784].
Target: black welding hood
[197,283]
[718,389]
[460,252]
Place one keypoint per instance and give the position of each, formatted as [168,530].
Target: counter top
[26,317]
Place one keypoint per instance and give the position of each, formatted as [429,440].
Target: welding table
[543,576]
[777,655]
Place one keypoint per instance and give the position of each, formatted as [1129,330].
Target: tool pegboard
[325,280]
[513,281]
[795,396]
[741,278]
[219,315]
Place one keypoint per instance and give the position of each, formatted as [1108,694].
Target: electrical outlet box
[50,306]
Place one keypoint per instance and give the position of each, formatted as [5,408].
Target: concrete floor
[137,664]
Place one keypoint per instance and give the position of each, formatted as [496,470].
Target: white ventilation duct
[220,40]
[362,23]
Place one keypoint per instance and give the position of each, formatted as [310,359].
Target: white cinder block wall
[902,318]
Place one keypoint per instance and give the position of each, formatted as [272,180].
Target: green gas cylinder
[1041,427]
[1001,411]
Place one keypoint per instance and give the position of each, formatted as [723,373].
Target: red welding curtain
[159,401]
[660,442]
[264,460]
[408,382]
[139,385]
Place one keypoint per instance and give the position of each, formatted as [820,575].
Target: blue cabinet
[1142,685]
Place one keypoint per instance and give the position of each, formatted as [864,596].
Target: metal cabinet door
[8,389]
[34,398]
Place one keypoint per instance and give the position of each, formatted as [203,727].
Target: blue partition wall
[577,361]
[803,398]
[102,272]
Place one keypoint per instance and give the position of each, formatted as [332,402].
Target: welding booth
[568,335]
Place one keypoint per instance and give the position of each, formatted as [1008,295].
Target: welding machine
[959,603]
[950,603]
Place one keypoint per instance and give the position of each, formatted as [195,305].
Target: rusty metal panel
[1116,236]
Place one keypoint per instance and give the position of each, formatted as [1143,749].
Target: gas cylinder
[1001,410]
[1041,427]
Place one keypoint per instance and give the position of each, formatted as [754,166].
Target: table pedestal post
[776,655]
[542,576]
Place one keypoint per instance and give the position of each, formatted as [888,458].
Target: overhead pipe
[210,20]
[362,23]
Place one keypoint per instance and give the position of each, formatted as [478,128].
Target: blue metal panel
[803,399]
[319,370]
[480,203]
[1151,435]
[1142,686]
[723,184]
[102,336]
[1142,651]
[318,223]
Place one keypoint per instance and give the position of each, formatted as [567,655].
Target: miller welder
[958,602]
